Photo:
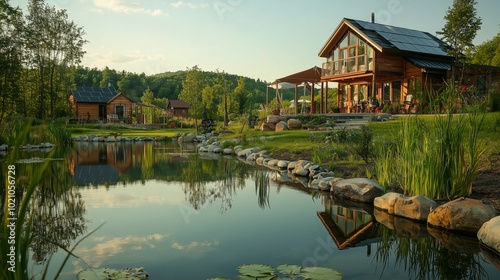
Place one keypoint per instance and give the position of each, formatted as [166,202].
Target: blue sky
[255,38]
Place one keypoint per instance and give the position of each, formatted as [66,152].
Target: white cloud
[180,4]
[194,245]
[107,248]
[118,6]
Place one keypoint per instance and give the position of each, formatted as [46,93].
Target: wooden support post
[296,99]
[313,106]
[321,99]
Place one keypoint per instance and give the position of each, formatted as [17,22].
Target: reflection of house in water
[349,225]
[100,163]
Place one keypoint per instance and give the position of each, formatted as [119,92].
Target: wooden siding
[389,64]
[118,101]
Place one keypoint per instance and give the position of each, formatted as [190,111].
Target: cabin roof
[389,37]
[93,94]
[178,104]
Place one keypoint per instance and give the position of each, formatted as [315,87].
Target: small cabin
[100,104]
[178,108]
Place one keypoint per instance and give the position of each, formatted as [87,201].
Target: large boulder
[387,201]
[321,183]
[281,126]
[275,119]
[267,126]
[462,214]
[489,234]
[301,168]
[357,189]
[414,208]
[294,124]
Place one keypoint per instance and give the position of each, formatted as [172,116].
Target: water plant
[437,157]
[284,271]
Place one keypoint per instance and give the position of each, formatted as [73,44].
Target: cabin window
[120,111]
[481,84]
[386,90]
[351,55]
[396,92]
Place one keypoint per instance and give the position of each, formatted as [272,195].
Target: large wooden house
[376,64]
[104,104]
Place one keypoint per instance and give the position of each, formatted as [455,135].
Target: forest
[40,61]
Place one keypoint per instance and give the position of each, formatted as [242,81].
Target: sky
[260,39]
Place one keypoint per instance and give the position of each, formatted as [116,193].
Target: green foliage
[494,100]
[285,271]
[460,29]
[58,134]
[487,53]
[438,158]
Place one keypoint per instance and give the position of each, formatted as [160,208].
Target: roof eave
[324,51]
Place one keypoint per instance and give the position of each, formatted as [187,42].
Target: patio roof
[312,75]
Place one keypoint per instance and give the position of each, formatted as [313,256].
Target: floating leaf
[289,269]
[219,278]
[319,273]
[258,271]
[116,274]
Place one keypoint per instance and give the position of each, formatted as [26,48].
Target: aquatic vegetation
[285,271]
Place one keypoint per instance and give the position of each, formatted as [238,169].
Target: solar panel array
[93,94]
[407,39]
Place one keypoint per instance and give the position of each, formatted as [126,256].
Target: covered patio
[308,79]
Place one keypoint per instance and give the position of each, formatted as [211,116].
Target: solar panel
[93,94]
[405,39]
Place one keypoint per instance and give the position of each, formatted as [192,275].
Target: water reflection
[203,180]
[56,209]
[424,253]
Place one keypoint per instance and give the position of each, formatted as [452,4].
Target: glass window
[352,39]
[481,83]
[352,52]
[396,92]
[343,43]
[362,93]
[336,54]
[386,88]
[361,48]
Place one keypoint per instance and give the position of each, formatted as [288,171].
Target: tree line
[41,52]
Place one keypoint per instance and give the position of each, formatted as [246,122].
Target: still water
[182,215]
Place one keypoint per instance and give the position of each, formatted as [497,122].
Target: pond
[184,215]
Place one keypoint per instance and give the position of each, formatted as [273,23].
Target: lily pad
[319,273]
[110,273]
[289,269]
[258,271]
[219,278]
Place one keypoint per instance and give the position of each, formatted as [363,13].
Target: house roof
[93,94]
[382,36]
[429,64]
[178,104]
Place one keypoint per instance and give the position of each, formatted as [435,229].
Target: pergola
[312,75]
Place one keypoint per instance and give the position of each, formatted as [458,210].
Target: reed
[437,157]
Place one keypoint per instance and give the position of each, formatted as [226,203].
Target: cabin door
[120,111]
[102,112]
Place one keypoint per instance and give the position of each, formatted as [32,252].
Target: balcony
[355,64]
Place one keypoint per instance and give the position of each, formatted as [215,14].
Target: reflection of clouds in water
[105,249]
[195,246]
[102,198]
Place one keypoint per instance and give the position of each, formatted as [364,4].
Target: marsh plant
[436,157]
[18,233]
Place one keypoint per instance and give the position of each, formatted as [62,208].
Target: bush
[494,100]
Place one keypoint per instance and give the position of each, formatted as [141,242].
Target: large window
[351,55]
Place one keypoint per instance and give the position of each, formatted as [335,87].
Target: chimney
[373,18]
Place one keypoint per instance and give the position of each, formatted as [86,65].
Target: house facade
[377,65]
[94,103]
[178,108]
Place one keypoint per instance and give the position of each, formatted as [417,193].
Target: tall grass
[19,240]
[436,157]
